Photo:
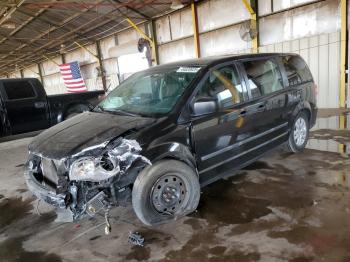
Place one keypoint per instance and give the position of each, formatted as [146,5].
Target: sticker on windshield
[188,69]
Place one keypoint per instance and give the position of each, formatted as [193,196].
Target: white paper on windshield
[187,69]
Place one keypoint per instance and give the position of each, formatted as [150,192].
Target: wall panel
[175,51]
[31,71]
[320,18]
[174,26]
[111,71]
[222,41]
[215,14]
[50,66]
[83,56]
[54,84]
[129,35]
[106,44]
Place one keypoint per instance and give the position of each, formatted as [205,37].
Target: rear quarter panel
[300,96]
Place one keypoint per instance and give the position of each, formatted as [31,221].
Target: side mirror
[204,106]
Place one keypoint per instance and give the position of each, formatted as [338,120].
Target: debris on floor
[136,239]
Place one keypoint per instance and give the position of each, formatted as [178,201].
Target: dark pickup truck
[25,107]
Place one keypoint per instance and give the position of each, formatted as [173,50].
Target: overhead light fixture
[63,49]
[176,5]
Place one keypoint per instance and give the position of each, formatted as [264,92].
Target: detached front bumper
[43,192]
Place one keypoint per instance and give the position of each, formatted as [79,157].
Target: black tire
[146,191]
[292,144]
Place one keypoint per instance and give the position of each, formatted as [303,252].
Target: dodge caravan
[165,132]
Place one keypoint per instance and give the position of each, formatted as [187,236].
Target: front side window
[264,77]
[296,69]
[224,86]
[151,92]
[18,90]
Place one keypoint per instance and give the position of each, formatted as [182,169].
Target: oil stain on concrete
[18,224]
[13,209]
[12,250]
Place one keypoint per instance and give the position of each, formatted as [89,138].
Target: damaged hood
[84,131]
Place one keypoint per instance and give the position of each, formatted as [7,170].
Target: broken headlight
[114,161]
[93,169]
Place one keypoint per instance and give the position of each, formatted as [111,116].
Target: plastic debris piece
[108,227]
[136,239]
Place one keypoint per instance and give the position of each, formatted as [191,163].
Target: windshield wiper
[117,111]
[121,112]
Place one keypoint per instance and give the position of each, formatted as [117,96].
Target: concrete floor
[284,207]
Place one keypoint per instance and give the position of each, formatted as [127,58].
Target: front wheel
[165,191]
[299,134]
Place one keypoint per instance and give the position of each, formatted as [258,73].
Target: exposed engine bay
[89,182]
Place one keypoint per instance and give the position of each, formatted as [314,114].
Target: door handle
[243,112]
[261,107]
[39,104]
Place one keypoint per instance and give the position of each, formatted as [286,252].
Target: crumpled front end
[89,182]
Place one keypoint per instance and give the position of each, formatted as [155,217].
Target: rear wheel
[299,134]
[165,191]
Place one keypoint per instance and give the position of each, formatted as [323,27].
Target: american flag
[72,77]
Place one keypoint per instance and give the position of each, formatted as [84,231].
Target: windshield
[152,93]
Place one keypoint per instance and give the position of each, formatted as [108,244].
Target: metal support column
[197,47]
[343,53]
[251,7]
[21,72]
[343,59]
[63,58]
[154,37]
[102,70]
[41,74]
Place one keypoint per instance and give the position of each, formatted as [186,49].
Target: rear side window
[296,69]
[224,85]
[19,90]
[264,77]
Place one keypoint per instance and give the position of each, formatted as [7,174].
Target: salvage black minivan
[165,132]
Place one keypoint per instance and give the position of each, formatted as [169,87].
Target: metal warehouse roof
[30,29]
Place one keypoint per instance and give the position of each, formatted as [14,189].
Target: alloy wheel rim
[168,194]
[300,131]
